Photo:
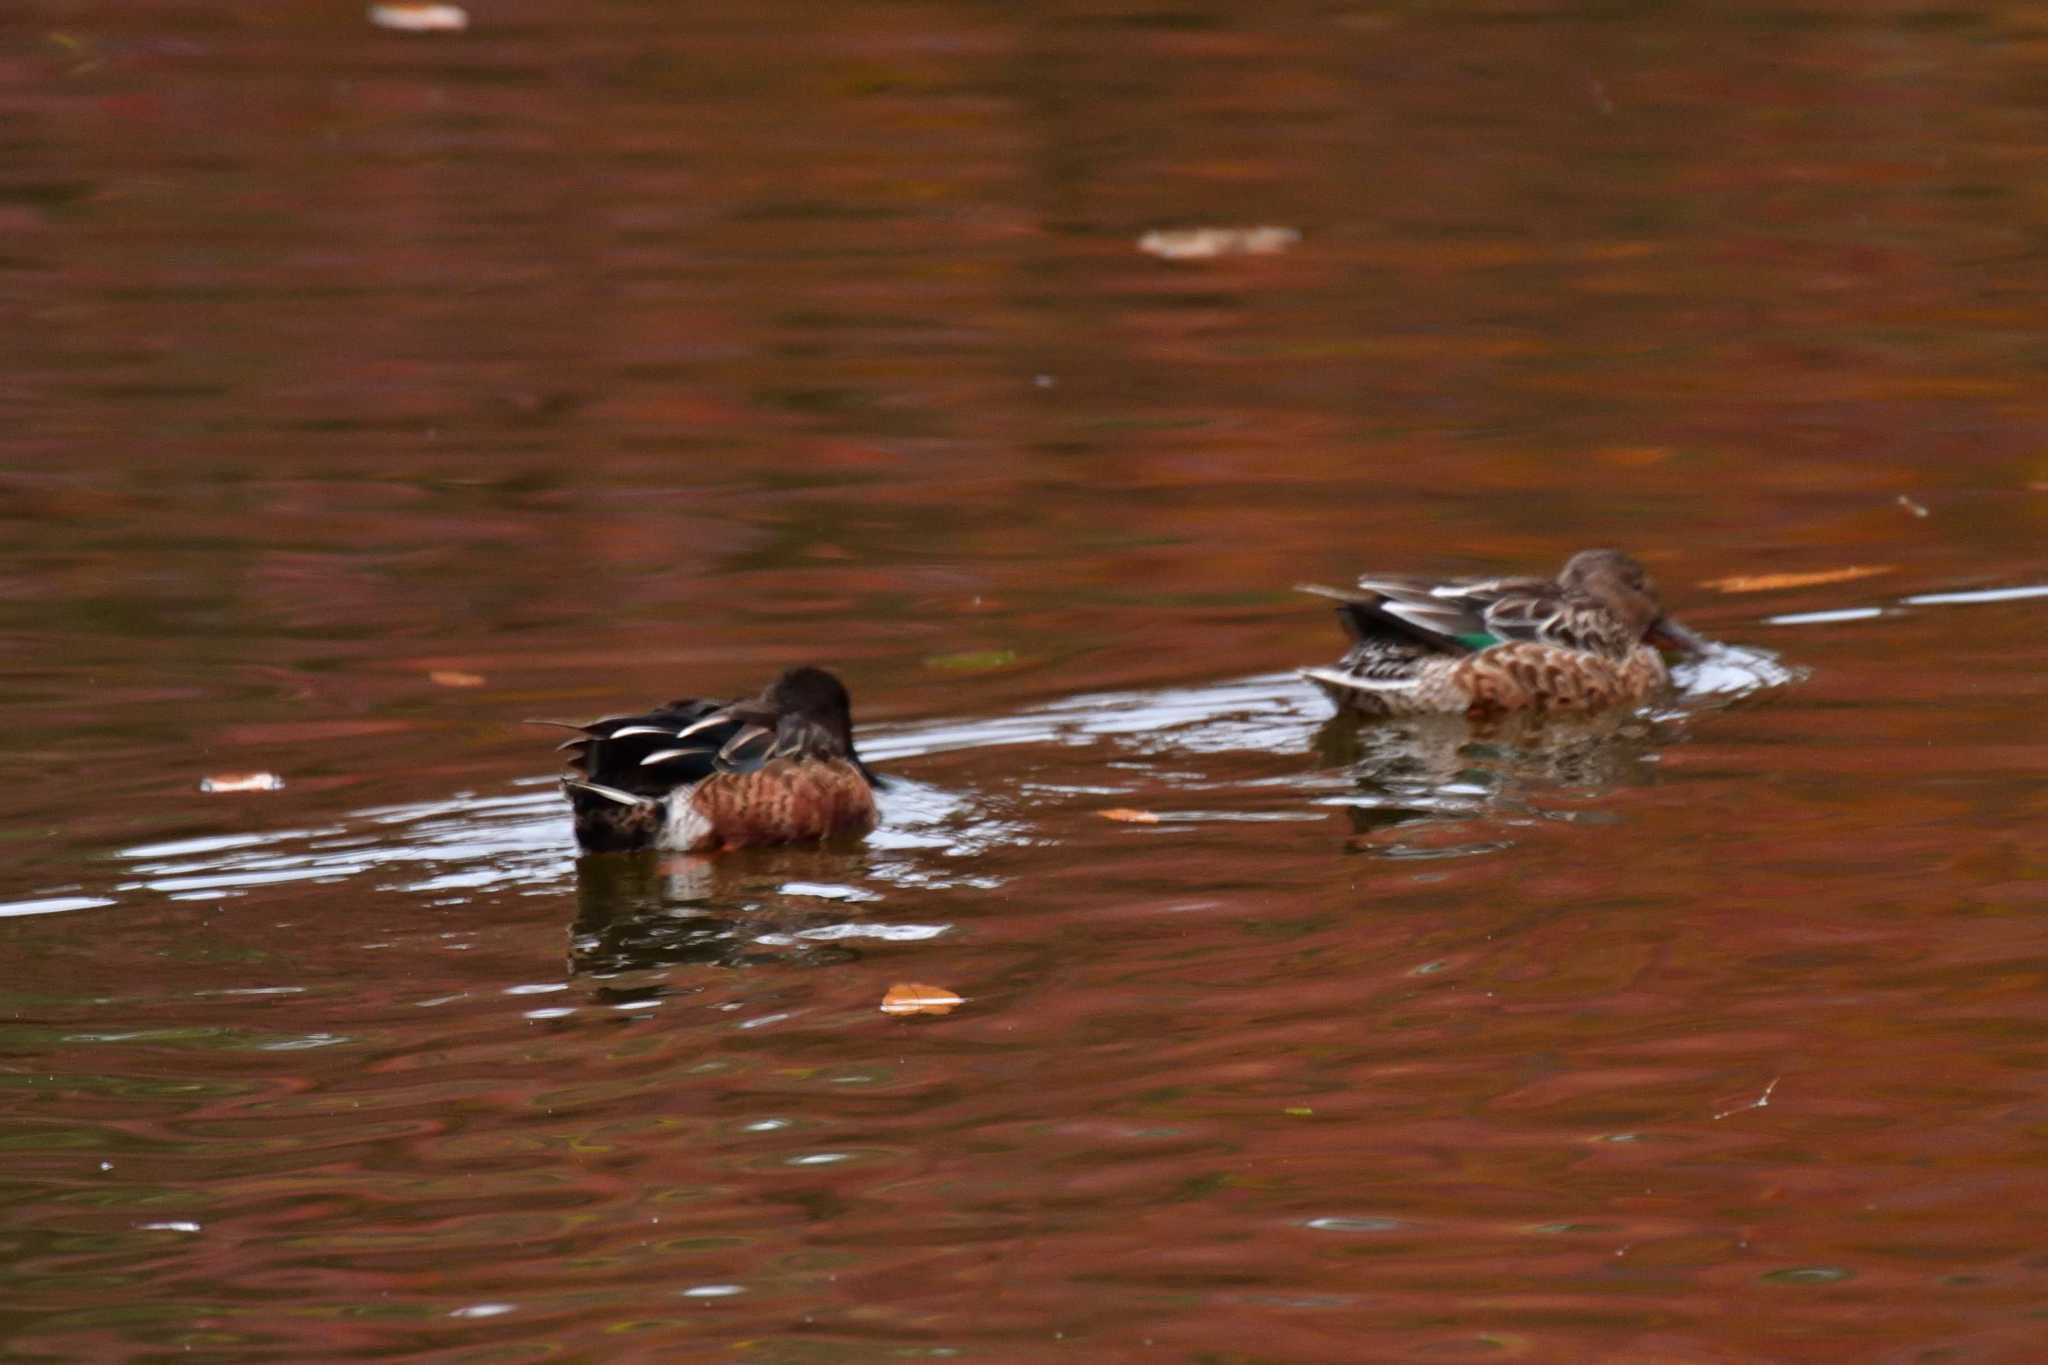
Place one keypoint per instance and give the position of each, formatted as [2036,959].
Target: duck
[1589,639]
[707,776]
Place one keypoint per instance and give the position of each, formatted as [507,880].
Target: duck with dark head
[1588,639]
[703,776]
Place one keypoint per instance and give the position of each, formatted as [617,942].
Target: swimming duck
[703,776]
[1587,640]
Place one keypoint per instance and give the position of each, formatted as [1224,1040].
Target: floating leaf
[241,782]
[1129,816]
[907,997]
[450,677]
[414,18]
[1772,582]
[1808,1274]
[1206,243]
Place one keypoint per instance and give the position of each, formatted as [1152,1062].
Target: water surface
[368,395]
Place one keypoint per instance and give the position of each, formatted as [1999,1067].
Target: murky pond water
[366,395]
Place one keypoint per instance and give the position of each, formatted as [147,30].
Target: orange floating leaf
[451,677]
[907,997]
[241,782]
[1772,582]
[1129,816]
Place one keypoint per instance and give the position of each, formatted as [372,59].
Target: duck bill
[1666,633]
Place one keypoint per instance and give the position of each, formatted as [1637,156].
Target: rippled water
[372,394]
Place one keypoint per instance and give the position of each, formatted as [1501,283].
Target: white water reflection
[1725,672]
[470,843]
[1967,597]
[833,933]
[1824,618]
[50,905]
[1269,712]
[1942,599]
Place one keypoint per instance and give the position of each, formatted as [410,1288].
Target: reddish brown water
[611,352]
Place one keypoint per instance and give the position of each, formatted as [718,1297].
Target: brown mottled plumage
[704,776]
[1586,641]
[787,801]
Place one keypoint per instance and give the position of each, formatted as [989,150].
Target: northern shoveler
[1484,646]
[702,776]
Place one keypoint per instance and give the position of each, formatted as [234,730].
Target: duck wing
[1554,617]
[684,742]
[652,753]
[1444,618]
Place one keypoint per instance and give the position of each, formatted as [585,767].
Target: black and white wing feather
[681,744]
[651,754]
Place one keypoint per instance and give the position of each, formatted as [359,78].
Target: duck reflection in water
[646,913]
[1420,771]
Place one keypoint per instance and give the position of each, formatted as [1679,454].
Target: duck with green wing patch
[1587,640]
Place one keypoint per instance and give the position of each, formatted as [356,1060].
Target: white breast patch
[684,828]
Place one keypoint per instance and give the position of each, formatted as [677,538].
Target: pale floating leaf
[1129,816]
[241,782]
[453,677]
[908,997]
[1772,582]
[407,18]
[1207,243]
